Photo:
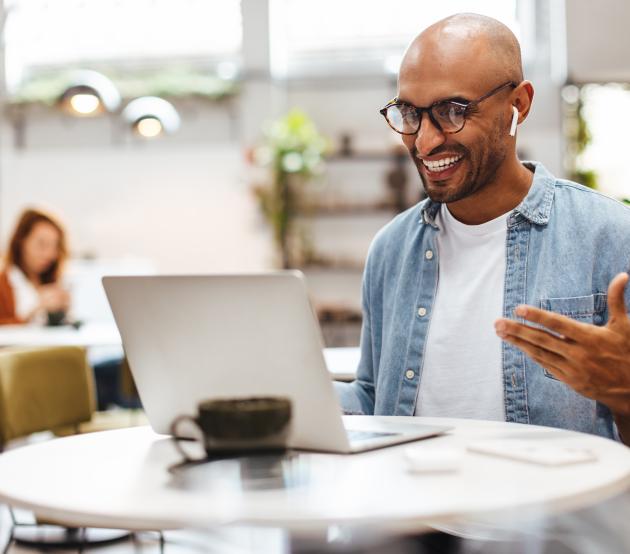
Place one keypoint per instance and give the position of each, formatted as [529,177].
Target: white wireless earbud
[514,121]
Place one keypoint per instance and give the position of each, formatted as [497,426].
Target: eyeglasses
[449,116]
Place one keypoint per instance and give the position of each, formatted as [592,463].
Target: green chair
[43,389]
[47,389]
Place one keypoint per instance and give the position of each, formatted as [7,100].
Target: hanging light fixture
[151,116]
[89,94]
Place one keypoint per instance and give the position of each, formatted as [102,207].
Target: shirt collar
[536,206]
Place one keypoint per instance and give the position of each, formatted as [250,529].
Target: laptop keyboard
[355,436]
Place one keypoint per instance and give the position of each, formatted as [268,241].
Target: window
[606,112]
[57,33]
[334,37]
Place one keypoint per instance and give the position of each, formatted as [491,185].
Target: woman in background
[31,291]
[30,277]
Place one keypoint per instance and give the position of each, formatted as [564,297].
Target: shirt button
[409,374]
[428,254]
[422,312]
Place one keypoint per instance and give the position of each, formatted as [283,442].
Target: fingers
[537,338]
[616,302]
[549,360]
[562,325]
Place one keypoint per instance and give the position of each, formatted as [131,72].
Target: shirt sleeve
[357,398]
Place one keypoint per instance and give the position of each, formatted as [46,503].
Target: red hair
[26,223]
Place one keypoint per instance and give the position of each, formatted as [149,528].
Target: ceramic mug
[238,426]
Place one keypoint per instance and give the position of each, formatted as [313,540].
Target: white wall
[187,207]
[598,40]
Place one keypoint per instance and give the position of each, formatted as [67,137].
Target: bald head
[466,157]
[469,45]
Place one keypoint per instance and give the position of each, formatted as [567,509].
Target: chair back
[42,389]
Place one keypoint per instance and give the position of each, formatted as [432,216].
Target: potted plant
[292,151]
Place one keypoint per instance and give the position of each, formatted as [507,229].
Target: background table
[120,479]
[101,338]
[103,342]
[89,334]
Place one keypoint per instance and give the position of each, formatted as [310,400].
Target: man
[495,234]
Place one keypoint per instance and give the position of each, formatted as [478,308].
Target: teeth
[441,165]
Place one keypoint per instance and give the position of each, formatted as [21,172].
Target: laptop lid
[189,338]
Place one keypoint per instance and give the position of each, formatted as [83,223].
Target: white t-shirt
[462,372]
[25,296]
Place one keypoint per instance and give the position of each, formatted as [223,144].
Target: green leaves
[293,150]
[294,144]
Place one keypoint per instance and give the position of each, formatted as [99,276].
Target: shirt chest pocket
[590,309]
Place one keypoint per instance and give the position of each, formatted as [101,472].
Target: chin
[448,190]
[442,196]
[442,192]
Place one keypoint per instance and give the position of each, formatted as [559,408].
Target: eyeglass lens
[405,119]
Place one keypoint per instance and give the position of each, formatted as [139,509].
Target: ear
[522,97]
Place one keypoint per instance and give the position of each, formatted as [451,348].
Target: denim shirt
[564,245]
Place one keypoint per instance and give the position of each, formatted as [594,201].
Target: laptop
[190,338]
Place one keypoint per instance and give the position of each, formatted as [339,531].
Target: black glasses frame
[468,107]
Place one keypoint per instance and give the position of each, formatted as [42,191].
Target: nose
[429,137]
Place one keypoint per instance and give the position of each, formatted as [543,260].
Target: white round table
[121,479]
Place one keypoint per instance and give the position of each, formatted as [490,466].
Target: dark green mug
[54,319]
[238,426]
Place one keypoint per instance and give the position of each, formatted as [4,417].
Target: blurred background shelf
[340,212]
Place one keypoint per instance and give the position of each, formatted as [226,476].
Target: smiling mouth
[440,166]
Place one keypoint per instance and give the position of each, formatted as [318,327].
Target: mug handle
[177,438]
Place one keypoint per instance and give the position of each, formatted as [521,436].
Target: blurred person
[31,290]
[30,279]
[495,235]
